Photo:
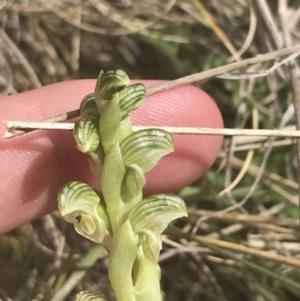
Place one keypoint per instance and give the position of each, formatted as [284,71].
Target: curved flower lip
[87,224]
[91,228]
[151,245]
[132,184]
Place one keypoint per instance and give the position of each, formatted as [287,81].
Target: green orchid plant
[115,212]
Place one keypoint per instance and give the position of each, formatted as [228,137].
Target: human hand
[34,166]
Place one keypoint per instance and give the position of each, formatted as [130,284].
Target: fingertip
[31,183]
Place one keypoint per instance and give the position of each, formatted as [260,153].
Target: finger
[36,165]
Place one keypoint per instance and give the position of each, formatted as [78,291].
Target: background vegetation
[245,241]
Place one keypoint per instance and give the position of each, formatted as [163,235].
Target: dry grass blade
[216,28]
[30,72]
[19,125]
[277,41]
[243,218]
[291,261]
[204,75]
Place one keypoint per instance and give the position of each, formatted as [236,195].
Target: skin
[36,165]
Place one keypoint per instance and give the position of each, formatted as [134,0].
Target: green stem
[122,257]
[147,287]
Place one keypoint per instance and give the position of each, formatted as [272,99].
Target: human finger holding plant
[35,166]
[114,211]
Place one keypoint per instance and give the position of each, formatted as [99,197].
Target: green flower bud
[133,183]
[86,136]
[79,204]
[112,81]
[88,109]
[156,212]
[144,148]
[109,83]
[131,98]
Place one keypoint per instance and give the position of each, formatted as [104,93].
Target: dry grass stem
[291,261]
[212,73]
[243,218]
[25,125]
